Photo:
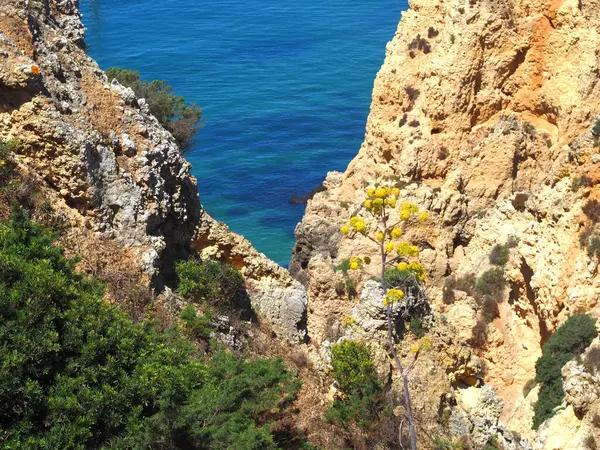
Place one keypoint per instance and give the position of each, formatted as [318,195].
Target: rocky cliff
[483,114]
[90,149]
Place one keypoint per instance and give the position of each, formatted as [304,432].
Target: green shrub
[490,288]
[590,442]
[344,266]
[7,163]
[395,278]
[466,284]
[499,254]
[77,373]
[493,444]
[170,110]
[198,326]
[361,399]
[417,327]
[578,182]
[446,443]
[347,286]
[589,238]
[350,288]
[491,283]
[569,340]
[214,285]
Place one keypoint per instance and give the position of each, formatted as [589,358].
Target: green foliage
[198,326]
[170,110]
[344,266]
[77,373]
[568,341]
[417,327]
[445,443]
[589,238]
[395,278]
[347,286]
[7,164]
[491,283]
[493,444]
[590,442]
[214,285]
[487,289]
[529,128]
[350,288]
[578,182]
[490,288]
[499,254]
[361,400]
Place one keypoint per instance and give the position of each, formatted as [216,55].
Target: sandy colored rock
[482,114]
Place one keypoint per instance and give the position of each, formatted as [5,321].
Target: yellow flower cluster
[393,296]
[418,269]
[357,223]
[348,321]
[423,216]
[426,343]
[410,207]
[407,210]
[355,263]
[379,236]
[380,197]
[396,233]
[404,249]
[389,247]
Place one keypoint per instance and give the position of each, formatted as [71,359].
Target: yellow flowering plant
[383,221]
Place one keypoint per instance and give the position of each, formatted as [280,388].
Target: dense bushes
[215,285]
[170,110]
[361,399]
[77,373]
[568,341]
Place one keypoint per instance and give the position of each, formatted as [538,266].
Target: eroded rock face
[482,114]
[110,167]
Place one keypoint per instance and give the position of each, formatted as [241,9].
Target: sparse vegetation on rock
[569,340]
[407,274]
[172,112]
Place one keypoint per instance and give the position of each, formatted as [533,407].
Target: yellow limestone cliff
[482,114]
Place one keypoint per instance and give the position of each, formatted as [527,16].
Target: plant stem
[390,340]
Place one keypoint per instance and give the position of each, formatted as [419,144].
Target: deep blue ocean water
[285,87]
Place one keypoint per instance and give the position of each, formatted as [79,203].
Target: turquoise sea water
[285,87]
